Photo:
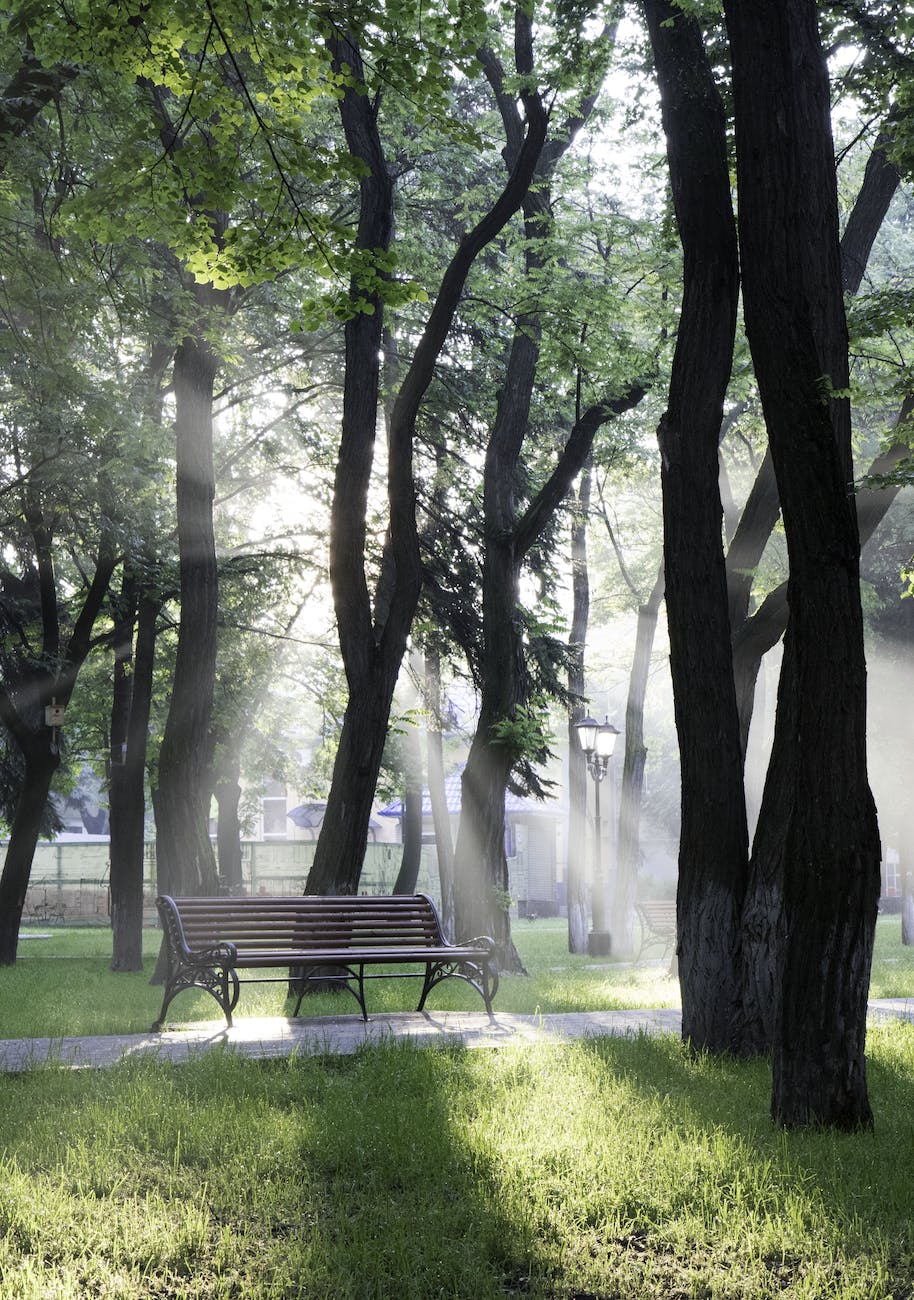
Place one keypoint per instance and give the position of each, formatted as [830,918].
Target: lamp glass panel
[587,734]
[605,740]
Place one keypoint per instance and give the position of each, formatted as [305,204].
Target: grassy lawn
[596,1170]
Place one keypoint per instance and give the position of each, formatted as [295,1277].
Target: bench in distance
[208,940]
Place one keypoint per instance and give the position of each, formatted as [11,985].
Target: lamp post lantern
[598,740]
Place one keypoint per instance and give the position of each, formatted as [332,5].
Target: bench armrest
[483,941]
[220,954]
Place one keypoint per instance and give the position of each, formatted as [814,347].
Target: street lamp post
[598,740]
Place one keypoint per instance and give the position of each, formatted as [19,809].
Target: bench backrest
[393,921]
[658,914]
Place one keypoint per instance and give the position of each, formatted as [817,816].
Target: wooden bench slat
[210,939]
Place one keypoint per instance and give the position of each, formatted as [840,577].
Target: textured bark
[129,734]
[754,635]
[817,848]
[372,651]
[576,843]
[713,849]
[185,859]
[41,762]
[635,757]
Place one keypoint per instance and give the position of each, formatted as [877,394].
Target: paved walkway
[278,1037]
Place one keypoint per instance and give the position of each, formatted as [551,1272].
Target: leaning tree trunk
[184,854]
[713,848]
[42,760]
[817,845]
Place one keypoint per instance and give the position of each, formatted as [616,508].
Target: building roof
[519,805]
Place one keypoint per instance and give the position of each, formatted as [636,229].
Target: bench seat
[314,938]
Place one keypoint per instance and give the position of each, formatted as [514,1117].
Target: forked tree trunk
[713,849]
[373,646]
[817,846]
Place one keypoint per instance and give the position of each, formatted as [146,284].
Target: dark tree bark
[576,845]
[817,848]
[49,676]
[130,711]
[186,863]
[31,88]
[713,849]
[880,181]
[755,634]
[373,646]
[635,757]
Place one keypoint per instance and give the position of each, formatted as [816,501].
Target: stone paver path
[279,1037]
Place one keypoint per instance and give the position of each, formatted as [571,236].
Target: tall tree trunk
[754,635]
[42,760]
[576,843]
[817,846]
[629,851]
[185,858]
[713,849]
[127,805]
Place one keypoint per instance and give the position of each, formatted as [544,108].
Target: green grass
[608,1169]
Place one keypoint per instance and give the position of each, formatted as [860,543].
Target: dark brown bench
[332,940]
[658,923]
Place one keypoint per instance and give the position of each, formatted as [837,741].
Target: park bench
[331,940]
[658,923]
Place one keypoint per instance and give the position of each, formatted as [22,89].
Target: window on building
[275,823]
